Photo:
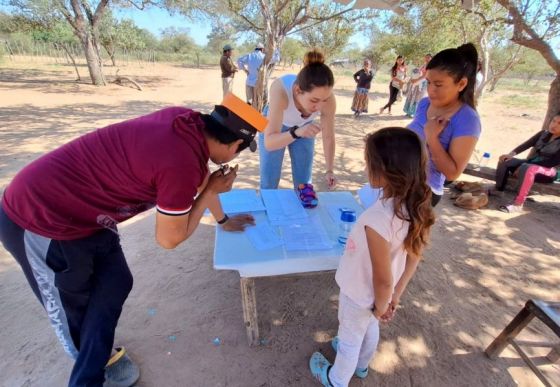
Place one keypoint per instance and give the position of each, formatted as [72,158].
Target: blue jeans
[301,155]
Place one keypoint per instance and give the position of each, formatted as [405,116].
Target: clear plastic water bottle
[347,220]
[484,160]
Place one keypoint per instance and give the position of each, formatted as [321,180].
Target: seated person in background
[541,165]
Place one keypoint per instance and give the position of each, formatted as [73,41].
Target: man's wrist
[224,219]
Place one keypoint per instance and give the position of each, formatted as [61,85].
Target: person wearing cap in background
[228,69]
[59,216]
[251,64]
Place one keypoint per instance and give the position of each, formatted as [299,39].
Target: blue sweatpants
[82,284]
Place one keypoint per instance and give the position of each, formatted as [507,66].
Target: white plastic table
[234,251]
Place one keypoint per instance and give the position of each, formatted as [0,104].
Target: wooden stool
[548,313]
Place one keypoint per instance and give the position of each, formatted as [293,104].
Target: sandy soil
[481,268]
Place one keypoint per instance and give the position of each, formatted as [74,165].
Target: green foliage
[124,35]
[355,55]
[58,32]
[292,51]
[329,36]
[222,33]
[177,40]
[531,66]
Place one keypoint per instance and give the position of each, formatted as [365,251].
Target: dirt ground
[481,268]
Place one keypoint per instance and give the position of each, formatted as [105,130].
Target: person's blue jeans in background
[301,155]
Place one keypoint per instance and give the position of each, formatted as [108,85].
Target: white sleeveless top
[292,116]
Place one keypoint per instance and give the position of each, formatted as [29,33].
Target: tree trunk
[110,49]
[93,59]
[260,99]
[73,61]
[483,42]
[553,101]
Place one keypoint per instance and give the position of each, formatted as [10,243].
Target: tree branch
[99,11]
[520,32]
[67,15]
[320,20]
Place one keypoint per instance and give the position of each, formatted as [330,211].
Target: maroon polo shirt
[112,174]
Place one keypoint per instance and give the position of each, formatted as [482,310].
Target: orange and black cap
[239,118]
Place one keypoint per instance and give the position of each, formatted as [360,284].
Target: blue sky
[155,20]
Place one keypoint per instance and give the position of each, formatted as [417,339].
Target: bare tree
[273,20]
[84,18]
[534,25]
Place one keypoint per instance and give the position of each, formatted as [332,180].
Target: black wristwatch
[223,220]
[293,132]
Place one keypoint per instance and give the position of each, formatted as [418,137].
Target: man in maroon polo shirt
[59,216]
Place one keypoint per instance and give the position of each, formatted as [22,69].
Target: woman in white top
[295,101]
[398,76]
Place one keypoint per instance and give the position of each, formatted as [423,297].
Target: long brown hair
[315,73]
[396,66]
[398,155]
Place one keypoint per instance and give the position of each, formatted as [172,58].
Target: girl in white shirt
[382,252]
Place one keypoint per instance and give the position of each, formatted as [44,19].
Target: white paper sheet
[308,236]
[368,195]
[263,236]
[283,207]
[241,200]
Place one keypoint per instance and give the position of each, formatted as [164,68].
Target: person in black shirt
[541,165]
[363,78]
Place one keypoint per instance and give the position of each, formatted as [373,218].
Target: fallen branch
[119,80]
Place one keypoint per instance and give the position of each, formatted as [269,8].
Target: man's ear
[298,90]
[236,143]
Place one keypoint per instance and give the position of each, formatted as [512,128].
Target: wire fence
[14,50]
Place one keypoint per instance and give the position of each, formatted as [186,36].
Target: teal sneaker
[319,366]
[360,372]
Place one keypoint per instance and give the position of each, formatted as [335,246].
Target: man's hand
[308,131]
[222,180]
[238,222]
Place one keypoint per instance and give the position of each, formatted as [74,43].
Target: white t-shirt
[355,275]
[292,116]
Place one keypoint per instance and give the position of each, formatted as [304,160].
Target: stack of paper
[283,207]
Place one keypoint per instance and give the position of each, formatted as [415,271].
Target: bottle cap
[486,154]
[348,216]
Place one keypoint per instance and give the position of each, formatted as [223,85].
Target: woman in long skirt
[363,78]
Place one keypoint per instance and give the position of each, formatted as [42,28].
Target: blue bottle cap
[348,216]
[486,154]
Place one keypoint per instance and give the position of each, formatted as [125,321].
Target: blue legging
[301,156]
